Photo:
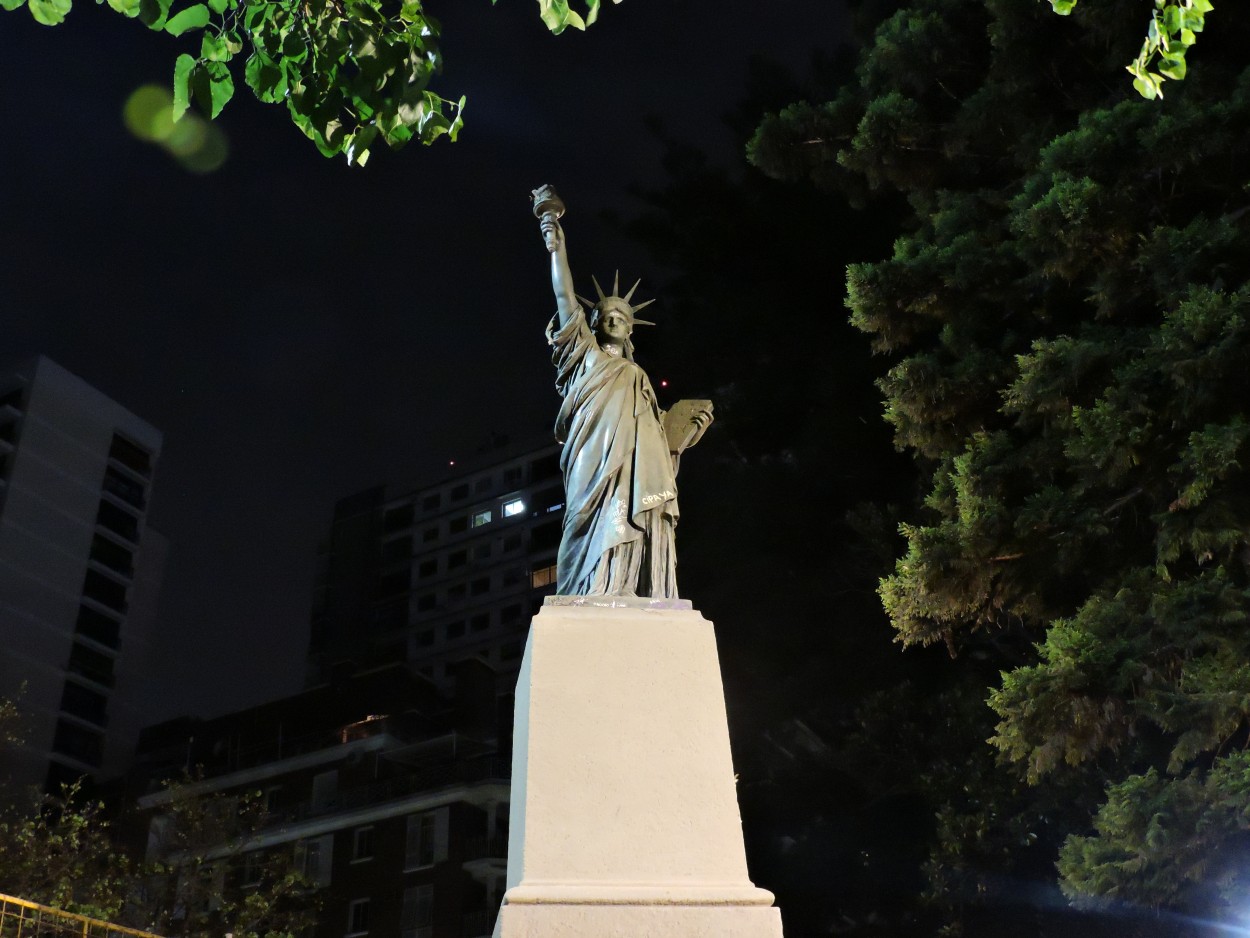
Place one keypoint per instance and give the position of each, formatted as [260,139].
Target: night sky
[300,330]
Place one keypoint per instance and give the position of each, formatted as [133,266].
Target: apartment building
[80,571]
[441,572]
[390,794]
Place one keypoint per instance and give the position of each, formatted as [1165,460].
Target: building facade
[79,571]
[390,796]
[450,570]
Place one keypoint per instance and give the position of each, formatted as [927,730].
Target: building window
[455,629]
[426,603]
[429,534]
[426,842]
[427,568]
[273,798]
[104,590]
[512,475]
[398,549]
[513,508]
[460,492]
[124,488]
[479,586]
[480,622]
[510,614]
[395,583]
[483,517]
[98,627]
[457,559]
[544,576]
[253,868]
[546,468]
[512,542]
[546,536]
[113,555]
[93,665]
[325,790]
[481,485]
[133,457]
[120,522]
[358,917]
[425,639]
[85,704]
[481,552]
[458,525]
[417,918]
[362,844]
[314,857]
[549,500]
[397,519]
[431,502]
[78,742]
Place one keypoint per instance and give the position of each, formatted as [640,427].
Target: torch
[547,204]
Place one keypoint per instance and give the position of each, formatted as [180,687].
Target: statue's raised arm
[548,207]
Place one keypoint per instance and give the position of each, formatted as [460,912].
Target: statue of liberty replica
[621,452]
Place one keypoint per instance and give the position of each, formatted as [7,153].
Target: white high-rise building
[79,572]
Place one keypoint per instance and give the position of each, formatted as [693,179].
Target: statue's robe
[620,489]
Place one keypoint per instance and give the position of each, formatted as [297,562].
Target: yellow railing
[22,919]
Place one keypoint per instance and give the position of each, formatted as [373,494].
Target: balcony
[486,848]
[491,768]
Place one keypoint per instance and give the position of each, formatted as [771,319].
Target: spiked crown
[613,299]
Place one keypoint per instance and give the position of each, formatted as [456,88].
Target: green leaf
[127,8]
[183,68]
[49,12]
[1173,66]
[214,48]
[1063,7]
[220,87]
[152,13]
[357,148]
[265,78]
[193,17]
[11,4]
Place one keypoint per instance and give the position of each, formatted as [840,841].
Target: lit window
[513,508]
[543,577]
[483,517]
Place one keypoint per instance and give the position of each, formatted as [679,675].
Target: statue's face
[612,324]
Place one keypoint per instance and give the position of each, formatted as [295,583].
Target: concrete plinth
[624,816]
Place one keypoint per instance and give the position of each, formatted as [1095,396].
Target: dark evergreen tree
[1066,317]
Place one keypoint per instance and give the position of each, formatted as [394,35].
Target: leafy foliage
[59,851]
[201,856]
[1066,313]
[349,71]
[1173,28]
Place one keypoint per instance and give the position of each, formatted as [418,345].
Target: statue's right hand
[553,234]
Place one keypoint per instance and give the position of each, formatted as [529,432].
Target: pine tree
[1066,312]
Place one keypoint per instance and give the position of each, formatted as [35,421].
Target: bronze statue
[621,451]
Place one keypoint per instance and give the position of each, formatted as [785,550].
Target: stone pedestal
[624,816]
